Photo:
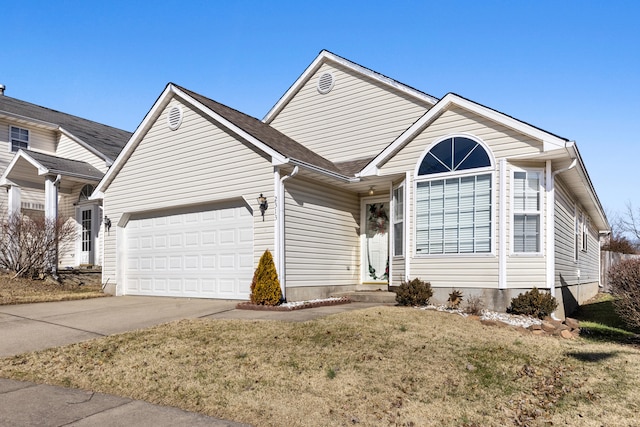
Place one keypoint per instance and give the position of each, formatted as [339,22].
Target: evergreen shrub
[414,293]
[265,286]
[534,303]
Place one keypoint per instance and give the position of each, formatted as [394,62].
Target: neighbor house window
[453,199]
[19,138]
[398,221]
[526,212]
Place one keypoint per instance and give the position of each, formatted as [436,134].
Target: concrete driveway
[30,327]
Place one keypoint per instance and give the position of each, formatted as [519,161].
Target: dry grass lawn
[380,366]
[23,291]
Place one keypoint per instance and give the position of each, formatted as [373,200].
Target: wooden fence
[607,260]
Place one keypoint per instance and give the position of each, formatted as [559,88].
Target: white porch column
[51,215]
[14,200]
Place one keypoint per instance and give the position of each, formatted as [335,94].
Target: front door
[375,248]
[86,237]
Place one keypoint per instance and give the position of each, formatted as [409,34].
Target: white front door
[375,247]
[87,241]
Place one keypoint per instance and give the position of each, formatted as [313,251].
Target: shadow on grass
[587,356]
[600,322]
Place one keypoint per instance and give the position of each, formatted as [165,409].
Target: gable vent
[325,83]
[174,117]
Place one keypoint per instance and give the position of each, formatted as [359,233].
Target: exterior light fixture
[371,192]
[107,223]
[264,205]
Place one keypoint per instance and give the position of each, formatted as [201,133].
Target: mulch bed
[310,304]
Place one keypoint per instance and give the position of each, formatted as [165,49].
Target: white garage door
[202,254]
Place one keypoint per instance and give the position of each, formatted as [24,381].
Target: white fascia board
[322,171]
[96,195]
[224,122]
[295,87]
[85,145]
[550,142]
[325,56]
[135,139]
[22,155]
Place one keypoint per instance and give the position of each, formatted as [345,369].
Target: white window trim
[576,233]
[401,188]
[540,213]
[491,170]
[584,223]
[470,172]
[11,138]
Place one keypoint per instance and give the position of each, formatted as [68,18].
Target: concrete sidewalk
[31,327]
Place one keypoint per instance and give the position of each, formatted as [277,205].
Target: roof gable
[105,141]
[278,146]
[325,57]
[549,140]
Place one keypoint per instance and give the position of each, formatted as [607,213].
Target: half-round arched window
[454,154]
[85,193]
[454,198]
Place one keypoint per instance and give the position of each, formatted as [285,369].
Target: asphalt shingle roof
[105,139]
[266,134]
[66,166]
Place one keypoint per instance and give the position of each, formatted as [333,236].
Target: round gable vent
[174,117]
[325,83]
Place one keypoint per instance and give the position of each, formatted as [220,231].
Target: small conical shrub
[265,286]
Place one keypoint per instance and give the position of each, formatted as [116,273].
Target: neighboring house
[369,182]
[50,165]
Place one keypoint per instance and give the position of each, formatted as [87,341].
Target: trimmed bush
[474,305]
[624,278]
[414,293]
[265,286]
[534,303]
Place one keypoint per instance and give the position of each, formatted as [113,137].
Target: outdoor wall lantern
[264,205]
[107,223]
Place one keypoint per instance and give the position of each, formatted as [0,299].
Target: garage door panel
[206,254]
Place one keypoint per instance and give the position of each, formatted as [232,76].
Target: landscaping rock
[566,334]
[572,323]
[548,326]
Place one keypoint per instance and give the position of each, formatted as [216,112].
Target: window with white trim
[585,231]
[576,242]
[526,211]
[19,138]
[453,213]
[397,219]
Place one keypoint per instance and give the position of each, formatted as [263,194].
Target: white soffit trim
[28,121]
[135,139]
[325,56]
[550,141]
[215,116]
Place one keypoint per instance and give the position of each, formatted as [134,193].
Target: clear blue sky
[569,67]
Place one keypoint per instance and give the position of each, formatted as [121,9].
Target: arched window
[453,198]
[85,193]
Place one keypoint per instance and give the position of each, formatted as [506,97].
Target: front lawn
[23,291]
[380,366]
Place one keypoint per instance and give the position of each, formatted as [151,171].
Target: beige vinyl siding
[502,141]
[566,266]
[66,209]
[322,241]
[397,270]
[70,149]
[196,164]
[523,270]
[40,139]
[357,119]
[455,271]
